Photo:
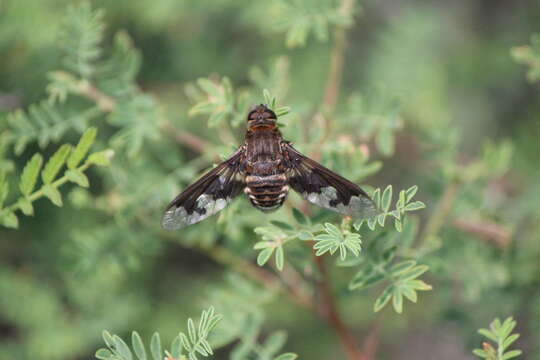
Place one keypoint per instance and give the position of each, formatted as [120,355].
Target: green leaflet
[501,334]
[81,36]
[82,148]
[55,163]
[30,174]
[52,194]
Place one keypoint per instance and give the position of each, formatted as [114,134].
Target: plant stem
[371,342]
[337,60]
[335,75]
[108,104]
[441,212]
[296,285]
[333,85]
[105,102]
[490,231]
[186,138]
[330,312]
[225,257]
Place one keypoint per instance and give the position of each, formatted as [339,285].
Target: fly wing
[325,188]
[208,195]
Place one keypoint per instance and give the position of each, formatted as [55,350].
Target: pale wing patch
[325,188]
[177,217]
[358,206]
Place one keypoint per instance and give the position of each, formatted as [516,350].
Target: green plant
[457,208]
[501,334]
[71,157]
[189,346]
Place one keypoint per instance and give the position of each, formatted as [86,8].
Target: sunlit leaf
[30,174]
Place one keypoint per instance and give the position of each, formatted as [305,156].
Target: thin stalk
[329,308]
[441,212]
[330,312]
[108,104]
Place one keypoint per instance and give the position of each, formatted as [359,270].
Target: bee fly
[265,168]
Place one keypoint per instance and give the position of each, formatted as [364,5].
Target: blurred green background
[101,262]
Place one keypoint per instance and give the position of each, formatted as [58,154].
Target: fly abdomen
[267,192]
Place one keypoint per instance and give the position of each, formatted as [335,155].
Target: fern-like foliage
[380,265]
[243,303]
[81,37]
[300,18]
[217,100]
[117,73]
[332,239]
[275,77]
[384,201]
[379,115]
[91,71]
[375,267]
[137,119]
[499,333]
[249,348]
[46,123]
[192,344]
[76,161]
[189,346]
[329,238]
[222,104]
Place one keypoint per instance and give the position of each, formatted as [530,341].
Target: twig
[335,75]
[337,60]
[186,138]
[330,312]
[268,279]
[297,285]
[333,85]
[259,274]
[486,230]
[224,256]
[371,343]
[108,104]
[441,212]
[105,102]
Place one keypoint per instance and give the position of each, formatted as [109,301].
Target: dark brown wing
[324,187]
[208,195]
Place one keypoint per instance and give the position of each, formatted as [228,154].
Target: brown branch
[328,308]
[330,312]
[108,104]
[441,212]
[105,102]
[489,231]
[335,75]
[223,256]
[297,285]
[265,277]
[185,138]
[337,60]
[371,343]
